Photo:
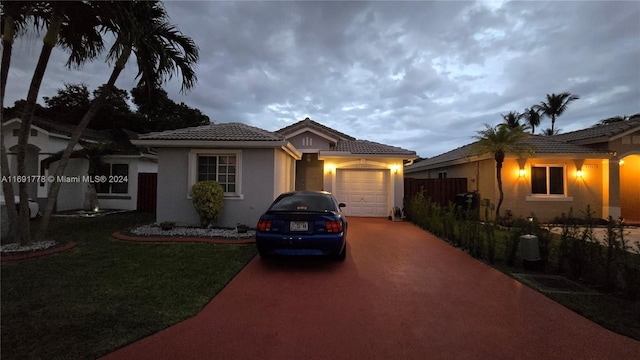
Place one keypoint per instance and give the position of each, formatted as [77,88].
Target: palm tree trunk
[50,40]
[75,137]
[8,34]
[553,123]
[501,196]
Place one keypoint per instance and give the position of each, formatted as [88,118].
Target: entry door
[310,173]
[365,192]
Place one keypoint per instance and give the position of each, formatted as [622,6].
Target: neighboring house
[254,166]
[557,177]
[623,138]
[48,138]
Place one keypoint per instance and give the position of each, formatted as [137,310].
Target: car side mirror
[341,205]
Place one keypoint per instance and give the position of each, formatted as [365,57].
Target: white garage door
[364,191]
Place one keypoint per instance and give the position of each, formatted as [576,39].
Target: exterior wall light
[395,169]
[330,168]
[579,173]
[522,172]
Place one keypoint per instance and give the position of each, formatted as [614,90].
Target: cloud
[420,75]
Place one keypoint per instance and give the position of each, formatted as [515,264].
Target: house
[623,138]
[569,171]
[254,166]
[126,162]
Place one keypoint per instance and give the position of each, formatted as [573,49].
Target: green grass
[610,310]
[107,293]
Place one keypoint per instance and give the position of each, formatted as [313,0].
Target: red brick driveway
[401,294]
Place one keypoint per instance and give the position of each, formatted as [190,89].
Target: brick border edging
[9,257]
[124,237]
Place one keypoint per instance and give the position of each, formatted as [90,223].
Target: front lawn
[106,293]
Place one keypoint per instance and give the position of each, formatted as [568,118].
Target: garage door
[364,191]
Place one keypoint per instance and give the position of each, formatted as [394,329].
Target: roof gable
[314,127]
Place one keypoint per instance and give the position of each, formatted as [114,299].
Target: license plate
[299,226]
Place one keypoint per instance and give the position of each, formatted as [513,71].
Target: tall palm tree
[72,25]
[15,17]
[499,141]
[555,106]
[532,118]
[161,50]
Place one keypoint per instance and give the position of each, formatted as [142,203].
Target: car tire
[343,254]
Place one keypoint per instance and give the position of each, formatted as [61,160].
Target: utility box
[530,252]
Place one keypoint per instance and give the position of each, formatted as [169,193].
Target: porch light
[522,172]
[330,168]
[579,173]
[621,162]
[395,169]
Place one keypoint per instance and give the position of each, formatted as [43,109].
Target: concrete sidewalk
[401,294]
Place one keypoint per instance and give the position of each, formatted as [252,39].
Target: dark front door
[309,173]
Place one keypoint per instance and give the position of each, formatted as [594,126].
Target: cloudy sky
[422,75]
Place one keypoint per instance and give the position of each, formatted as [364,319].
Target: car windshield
[304,202]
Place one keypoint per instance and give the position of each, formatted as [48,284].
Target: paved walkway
[401,294]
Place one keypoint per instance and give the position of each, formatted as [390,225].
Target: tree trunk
[50,40]
[501,198]
[8,34]
[75,137]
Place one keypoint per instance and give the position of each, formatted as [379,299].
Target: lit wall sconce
[395,169]
[621,162]
[522,162]
[331,169]
[579,173]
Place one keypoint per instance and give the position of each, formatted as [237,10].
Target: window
[117,176]
[547,180]
[442,175]
[219,167]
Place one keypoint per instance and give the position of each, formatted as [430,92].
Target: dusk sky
[424,76]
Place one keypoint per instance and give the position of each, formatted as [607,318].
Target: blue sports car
[303,223]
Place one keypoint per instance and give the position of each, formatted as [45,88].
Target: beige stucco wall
[580,192]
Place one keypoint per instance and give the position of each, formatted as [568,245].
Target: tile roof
[308,123]
[540,144]
[215,132]
[365,147]
[599,133]
[65,129]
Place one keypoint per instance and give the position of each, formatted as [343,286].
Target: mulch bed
[129,237]
[9,257]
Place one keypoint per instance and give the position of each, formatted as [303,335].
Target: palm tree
[160,49]
[499,141]
[512,119]
[532,118]
[72,25]
[16,15]
[555,106]
[550,132]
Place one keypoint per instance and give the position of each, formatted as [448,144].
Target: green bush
[207,198]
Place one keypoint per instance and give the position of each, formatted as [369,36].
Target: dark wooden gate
[441,191]
[147,191]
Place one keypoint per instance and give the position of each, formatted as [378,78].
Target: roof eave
[211,144]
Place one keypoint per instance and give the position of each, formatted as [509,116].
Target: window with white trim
[221,165]
[220,168]
[547,180]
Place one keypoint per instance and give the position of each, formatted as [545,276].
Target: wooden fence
[441,191]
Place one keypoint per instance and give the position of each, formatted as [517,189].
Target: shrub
[207,198]
[167,225]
